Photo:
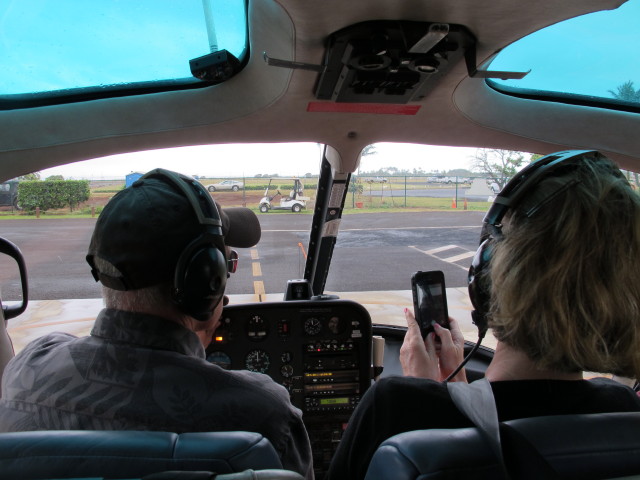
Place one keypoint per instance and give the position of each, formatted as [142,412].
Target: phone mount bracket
[276,62]
[474,72]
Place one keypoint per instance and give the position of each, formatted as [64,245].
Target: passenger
[564,298]
[143,367]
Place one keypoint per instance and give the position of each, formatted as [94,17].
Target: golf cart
[295,201]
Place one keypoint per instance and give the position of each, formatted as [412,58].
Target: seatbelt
[476,401]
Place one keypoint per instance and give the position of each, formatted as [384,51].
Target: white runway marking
[440,249]
[457,258]
[452,259]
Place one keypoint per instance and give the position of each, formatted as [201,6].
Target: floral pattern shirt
[141,372]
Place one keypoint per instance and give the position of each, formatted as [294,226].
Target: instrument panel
[319,350]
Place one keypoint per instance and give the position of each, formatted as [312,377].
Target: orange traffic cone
[453,203]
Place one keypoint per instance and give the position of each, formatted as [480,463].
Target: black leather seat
[130,454]
[592,446]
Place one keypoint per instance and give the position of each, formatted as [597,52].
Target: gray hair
[150,299]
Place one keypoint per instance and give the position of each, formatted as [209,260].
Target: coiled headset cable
[481,333]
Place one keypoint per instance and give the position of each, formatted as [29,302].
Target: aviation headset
[200,274]
[517,194]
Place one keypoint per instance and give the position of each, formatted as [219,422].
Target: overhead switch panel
[389,61]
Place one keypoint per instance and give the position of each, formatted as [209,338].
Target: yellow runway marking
[258,285]
[258,288]
[257,270]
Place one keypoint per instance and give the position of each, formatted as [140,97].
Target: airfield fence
[367,192]
[421,191]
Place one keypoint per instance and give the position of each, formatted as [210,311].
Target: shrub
[52,194]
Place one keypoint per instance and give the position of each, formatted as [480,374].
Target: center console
[320,351]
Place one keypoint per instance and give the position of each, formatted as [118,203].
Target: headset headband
[197,196]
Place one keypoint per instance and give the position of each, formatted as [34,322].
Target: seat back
[590,446]
[130,454]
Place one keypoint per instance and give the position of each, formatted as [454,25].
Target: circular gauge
[257,361]
[257,328]
[336,325]
[312,326]
[220,358]
[286,370]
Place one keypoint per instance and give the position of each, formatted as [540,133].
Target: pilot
[161,249]
[563,298]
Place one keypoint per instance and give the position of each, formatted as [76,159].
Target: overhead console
[389,61]
[320,351]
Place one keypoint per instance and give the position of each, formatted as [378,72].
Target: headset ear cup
[479,284]
[200,282]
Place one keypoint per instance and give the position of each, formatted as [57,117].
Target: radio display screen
[334,401]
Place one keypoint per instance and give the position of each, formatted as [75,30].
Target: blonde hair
[565,288]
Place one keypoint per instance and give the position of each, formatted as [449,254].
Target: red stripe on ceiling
[377,108]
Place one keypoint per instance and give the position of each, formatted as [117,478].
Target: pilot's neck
[511,364]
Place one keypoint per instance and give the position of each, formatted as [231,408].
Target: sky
[290,159]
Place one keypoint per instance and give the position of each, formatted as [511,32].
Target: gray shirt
[141,372]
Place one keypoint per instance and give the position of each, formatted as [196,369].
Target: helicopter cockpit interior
[379,119]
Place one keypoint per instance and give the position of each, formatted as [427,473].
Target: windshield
[592,56]
[398,218]
[421,213]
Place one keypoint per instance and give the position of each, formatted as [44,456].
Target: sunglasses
[232,261]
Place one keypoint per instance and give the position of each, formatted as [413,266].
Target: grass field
[102,191]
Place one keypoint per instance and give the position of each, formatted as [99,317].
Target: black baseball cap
[144,228]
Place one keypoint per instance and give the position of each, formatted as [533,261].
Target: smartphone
[429,300]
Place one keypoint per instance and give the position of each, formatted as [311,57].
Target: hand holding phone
[429,300]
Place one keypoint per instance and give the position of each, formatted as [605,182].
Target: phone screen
[429,300]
